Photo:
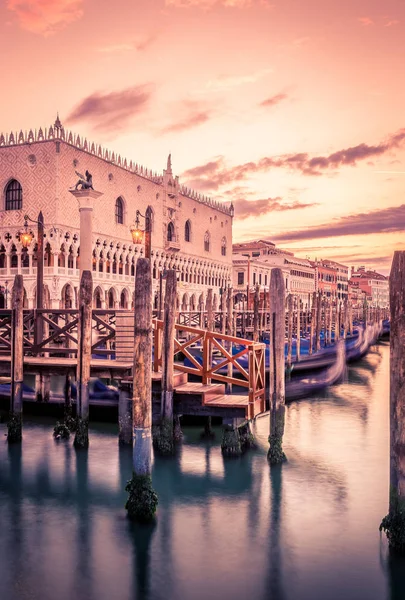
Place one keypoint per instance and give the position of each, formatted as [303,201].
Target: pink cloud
[257,208]
[366,21]
[112,111]
[211,3]
[46,17]
[216,174]
[391,23]
[274,100]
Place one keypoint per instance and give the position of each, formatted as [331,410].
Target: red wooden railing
[252,378]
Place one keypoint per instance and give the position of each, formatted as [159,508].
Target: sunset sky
[292,109]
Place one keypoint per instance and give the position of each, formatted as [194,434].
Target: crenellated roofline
[57,132]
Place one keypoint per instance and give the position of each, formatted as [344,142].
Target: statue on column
[86,183]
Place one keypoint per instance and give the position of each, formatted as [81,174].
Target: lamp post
[26,238]
[138,233]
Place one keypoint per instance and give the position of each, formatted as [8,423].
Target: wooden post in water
[345,318]
[330,321]
[305,323]
[83,360]
[142,501]
[208,432]
[290,308]
[394,523]
[312,328]
[164,441]
[277,366]
[256,299]
[298,329]
[318,300]
[337,322]
[14,425]
[223,310]
[229,331]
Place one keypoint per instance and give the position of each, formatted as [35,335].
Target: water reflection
[226,528]
[274,586]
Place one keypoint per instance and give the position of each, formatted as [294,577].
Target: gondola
[301,387]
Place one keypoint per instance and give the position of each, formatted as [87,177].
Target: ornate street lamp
[138,233]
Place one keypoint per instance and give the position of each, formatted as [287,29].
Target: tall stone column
[86,199]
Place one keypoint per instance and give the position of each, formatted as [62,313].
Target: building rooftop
[57,132]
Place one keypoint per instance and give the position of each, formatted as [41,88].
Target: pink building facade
[190,232]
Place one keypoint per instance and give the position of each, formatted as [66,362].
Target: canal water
[226,528]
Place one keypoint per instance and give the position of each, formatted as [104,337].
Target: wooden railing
[252,377]
[59,329]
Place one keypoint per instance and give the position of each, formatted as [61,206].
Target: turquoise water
[226,528]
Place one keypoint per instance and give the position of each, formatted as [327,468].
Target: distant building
[374,285]
[325,279]
[341,284]
[356,294]
[253,262]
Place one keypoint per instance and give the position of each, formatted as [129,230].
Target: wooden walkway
[110,369]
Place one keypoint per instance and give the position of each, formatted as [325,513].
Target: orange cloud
[46,17]
[210,3]
[137,45]
[391,23]
[366,21]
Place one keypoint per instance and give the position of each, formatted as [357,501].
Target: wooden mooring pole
[276,367]
[229,331]
[298,352]
[164,440]
[256,299]
[83,360]
[394,523]
[14,426]
[290,307]
[142,501]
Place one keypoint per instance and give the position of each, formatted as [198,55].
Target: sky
[293,109]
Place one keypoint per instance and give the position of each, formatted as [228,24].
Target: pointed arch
[119,211]
[187,231]
[98,298]
[207,241]
[170,232]
[67,296]
[13,195]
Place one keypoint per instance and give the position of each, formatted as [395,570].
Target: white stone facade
[253,262]
[190,232]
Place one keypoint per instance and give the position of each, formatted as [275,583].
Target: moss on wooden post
[142,501]
[230,445]
[394,523]
[83,360]
[277,367]
[14,427]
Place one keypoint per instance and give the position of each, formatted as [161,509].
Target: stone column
[86,200]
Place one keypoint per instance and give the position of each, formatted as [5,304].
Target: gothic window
[149,219]
[119,211]
[223,247]
[187,231]
[207,241]
[14,195]
[170,232]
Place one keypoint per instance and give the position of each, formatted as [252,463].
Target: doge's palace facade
[190,232]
